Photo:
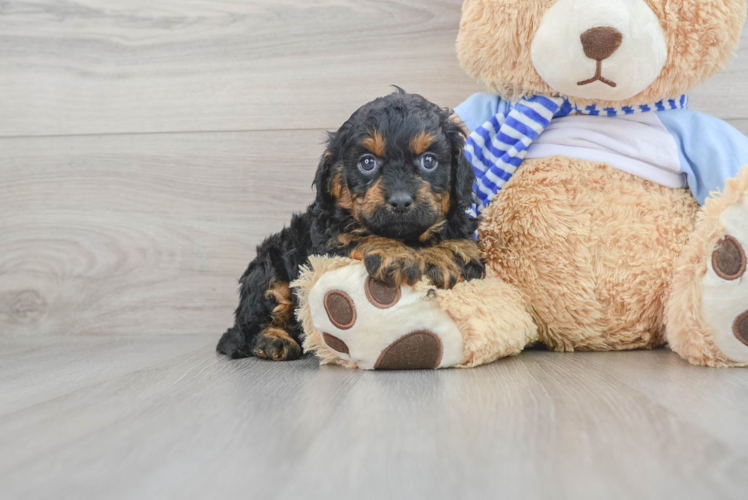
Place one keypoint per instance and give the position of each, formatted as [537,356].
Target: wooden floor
[146,147]
[134,417]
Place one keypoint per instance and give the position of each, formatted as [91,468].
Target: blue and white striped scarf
[497,148]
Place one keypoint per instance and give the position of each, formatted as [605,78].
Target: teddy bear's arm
[478,109]
[710,150]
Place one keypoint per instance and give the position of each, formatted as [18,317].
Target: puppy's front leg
[389,260]
[265,324]
[452,261]
[275,341]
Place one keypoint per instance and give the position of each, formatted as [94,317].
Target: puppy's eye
[368,164]
[429,163]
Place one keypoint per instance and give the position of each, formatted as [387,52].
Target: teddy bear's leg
[492,317]
[351,319]
[707,314]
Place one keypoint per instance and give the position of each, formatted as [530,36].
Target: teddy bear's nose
[600,43]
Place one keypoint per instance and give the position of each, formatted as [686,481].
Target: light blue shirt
[710,151]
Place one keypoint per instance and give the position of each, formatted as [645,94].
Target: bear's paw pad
[728,259]
[725,300]
[382,327]
[415,351]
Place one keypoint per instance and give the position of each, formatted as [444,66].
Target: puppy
[392,191]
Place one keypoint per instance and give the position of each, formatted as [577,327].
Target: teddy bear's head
[622,52]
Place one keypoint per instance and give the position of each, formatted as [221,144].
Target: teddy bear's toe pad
[728,259]
[340,309]
[725,300]
[381,294]
[382,327]
[335,343]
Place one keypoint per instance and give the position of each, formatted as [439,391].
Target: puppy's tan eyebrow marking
[420,143]
[375,143]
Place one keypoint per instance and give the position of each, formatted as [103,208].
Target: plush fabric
[489,332]
[309,277]
[625,54]
[689,332]
[496,39]
[592,250]
[606,260]
[464,322]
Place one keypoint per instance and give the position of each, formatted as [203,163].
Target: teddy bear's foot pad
[725,299]
[740,328]
[382,327]
[415,351]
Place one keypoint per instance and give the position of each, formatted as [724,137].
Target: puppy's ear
[323,179]
[463,175]
[464,179]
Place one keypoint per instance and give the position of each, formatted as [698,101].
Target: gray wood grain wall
[146,146]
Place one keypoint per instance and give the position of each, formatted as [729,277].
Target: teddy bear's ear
[494,45]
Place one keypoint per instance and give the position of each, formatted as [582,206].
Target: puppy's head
[396,166]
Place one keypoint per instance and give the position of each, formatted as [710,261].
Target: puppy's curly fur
[392,190]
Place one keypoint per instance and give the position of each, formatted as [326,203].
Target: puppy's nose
[401,201]
[600,43]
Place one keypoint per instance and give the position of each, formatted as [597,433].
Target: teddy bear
[612,216]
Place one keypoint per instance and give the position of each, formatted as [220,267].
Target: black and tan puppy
[392,190]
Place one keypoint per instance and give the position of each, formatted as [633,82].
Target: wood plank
[41,368]
[144,233]
[94,66]
[541,425]
[672,384]
[98,67]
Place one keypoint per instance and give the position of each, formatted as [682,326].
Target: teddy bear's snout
[601,42]
[610,50]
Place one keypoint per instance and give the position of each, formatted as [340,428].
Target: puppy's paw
[446,268]
[474,270]
[276,345]
[394,266]
[441,267]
